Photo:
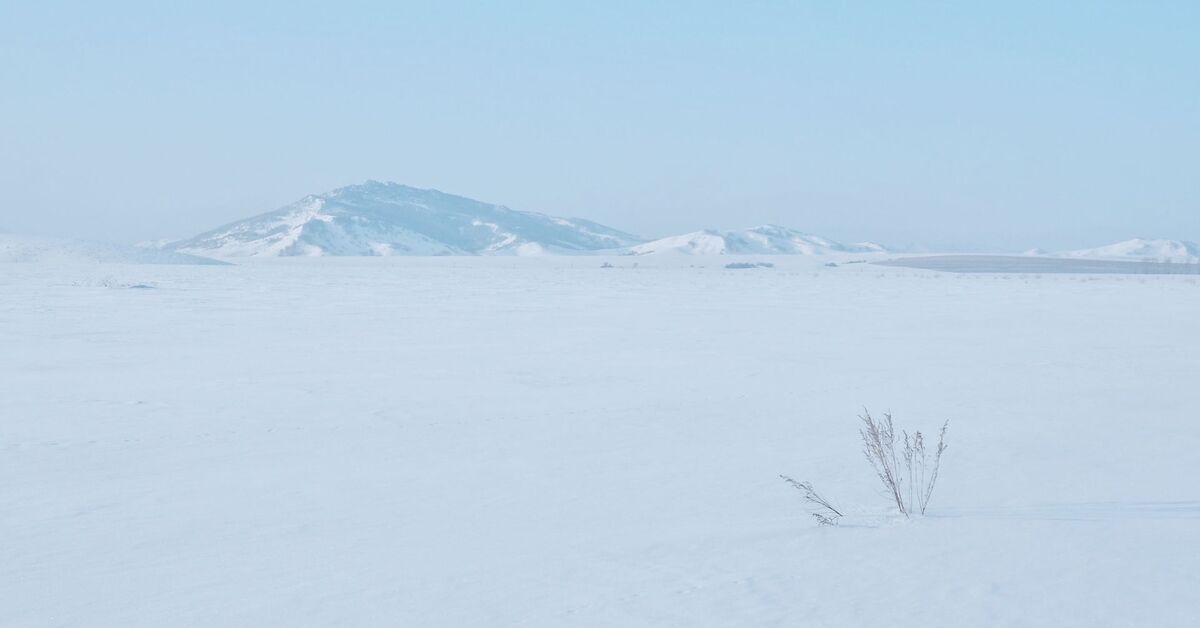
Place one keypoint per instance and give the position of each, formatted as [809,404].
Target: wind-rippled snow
[543,442]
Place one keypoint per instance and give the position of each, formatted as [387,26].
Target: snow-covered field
[543,442]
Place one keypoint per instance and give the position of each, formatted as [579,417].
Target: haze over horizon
[915,123]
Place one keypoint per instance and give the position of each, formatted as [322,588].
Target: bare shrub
[910,487]
[908,477]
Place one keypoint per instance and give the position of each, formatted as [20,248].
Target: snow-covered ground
[543,442]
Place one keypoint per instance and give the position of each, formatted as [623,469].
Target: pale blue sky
[985,125]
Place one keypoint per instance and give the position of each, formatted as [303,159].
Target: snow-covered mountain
[1138,248]
[376,218]
[19,248]
[764,240]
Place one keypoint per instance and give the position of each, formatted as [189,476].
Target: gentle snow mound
[1141,249]
[764,240]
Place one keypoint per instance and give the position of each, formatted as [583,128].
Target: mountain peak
[372,186]
[387,218]
[774,229]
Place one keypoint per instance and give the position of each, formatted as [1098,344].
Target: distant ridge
[375,218]
[1036,264]
[1140,249]
[380,219]
[18,249]
[763,240]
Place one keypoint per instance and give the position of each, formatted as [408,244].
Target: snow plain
[543,442]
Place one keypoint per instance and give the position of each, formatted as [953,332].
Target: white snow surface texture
[383,219]
[502,441]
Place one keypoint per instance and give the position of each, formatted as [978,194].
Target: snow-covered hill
[764,240]
[18,248]
[376,218]
[1139,248]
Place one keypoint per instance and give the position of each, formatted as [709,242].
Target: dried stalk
[879,446]
[825,514]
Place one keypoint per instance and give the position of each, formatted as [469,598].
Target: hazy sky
[984,125]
